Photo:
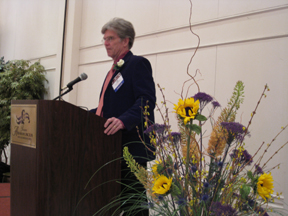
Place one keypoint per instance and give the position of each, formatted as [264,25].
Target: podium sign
[23,124]
[56,148]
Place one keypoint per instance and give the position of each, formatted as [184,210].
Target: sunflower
[265,185]
[162,185]
[187,109]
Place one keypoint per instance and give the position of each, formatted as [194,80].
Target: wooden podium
[56,148]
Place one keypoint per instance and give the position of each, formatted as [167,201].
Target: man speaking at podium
[126,90]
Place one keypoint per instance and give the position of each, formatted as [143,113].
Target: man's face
[114,45]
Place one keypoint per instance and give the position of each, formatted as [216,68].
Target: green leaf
[169,160]
[160,169]
[244,191]
[250,175]
[200,117]
[195,128]
[175,190]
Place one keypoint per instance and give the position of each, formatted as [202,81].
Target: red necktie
[108,78]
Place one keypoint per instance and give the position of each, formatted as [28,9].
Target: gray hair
[124,29]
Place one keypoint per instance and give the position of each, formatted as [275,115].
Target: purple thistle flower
[206,184]
[159,129]
[215,104]
[247,157]
[258,169]
[160,198]
[220,164]
[235,129]
[205,197]
[194,169]
[181,201]
[203,98]
[244,158]
[217,209]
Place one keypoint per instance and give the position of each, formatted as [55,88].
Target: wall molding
[194,47]
[206,22]
[42,57]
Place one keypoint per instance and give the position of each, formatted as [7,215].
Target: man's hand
[113,125]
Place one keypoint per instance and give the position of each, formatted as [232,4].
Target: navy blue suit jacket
[125,104]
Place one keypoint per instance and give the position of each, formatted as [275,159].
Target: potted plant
[19,80]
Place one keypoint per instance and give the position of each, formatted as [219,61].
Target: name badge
[117,82]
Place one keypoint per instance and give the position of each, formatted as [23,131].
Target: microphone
[82,76]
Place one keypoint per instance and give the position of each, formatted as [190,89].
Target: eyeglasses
[108,39]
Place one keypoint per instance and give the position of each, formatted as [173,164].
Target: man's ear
[126,41]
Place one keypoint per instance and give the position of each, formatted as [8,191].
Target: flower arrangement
[191,179]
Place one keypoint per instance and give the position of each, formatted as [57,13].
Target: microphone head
[83,76]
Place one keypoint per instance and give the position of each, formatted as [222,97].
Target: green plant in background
[19,80]
[2,64]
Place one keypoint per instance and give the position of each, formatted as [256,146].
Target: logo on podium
[23,125]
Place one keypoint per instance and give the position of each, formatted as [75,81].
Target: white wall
[240,40]
[32,30]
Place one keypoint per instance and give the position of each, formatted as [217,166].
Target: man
[127,89]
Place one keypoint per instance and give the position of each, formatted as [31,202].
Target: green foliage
[19,80]
[245,191]
[236,99]
[2,64]
[137,169]
[200,117]
[195,128]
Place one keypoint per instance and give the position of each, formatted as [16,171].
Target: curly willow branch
[188,66]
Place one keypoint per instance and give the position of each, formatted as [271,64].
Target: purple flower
[247,158]
[194,169]
[159,129]
[205,197]
[258,169]
[215,104]
[217,209]
[220,164]
[203,98]
[181,201]
[206,184]
[235,129]
[244,158]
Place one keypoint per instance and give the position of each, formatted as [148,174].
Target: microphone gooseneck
[82,76]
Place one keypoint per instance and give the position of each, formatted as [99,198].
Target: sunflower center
[187,111]
[163,185]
